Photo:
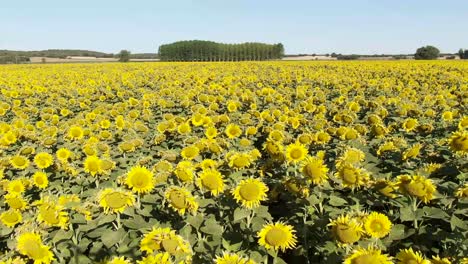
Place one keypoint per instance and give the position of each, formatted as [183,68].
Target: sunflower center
[312,170]
[49,214]
[276,237]
[349,175]
[296,154]
[210,182]
[15,203]
[346,234]
[34,250]
[249,191]
[178,200]
[19,162]
[116,200]
[93,166]
[10,217]
[416,188]
[460,143]
[17,188]
[365,259]
[241,161]
[39,180]
[139,180]
[376,226]
[170,245]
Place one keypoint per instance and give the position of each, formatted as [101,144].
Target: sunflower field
[234,163]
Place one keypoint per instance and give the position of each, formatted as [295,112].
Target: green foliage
[124,56]
[427,53]
[200,50]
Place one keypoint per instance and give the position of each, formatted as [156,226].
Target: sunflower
[118,260]
[250,192]
[181,200]
[416,185]
[140,179]
[386,188]
[462,191]
[165,240]
[16,187]
[75,133]
[315,170]
[190,152]
[239,160]
[322,137]
[377,225]
[211,132]
[458,142]
[11,217]
[439,260]
[43,160]
[19,162]
[184,171]
[233,131]
[351,156]
[295,152]
[184,128]
[51,213]
[92,165]
[30,244]
[346,230]
[232,258]
[277,236]
[160,258]
[16,201]
[408,256]
[352,176]
[370,255]
[411,152]
[410,124]
[115,200]
[63,154]
[40,179]
[211,180]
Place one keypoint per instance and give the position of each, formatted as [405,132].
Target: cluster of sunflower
[251,162]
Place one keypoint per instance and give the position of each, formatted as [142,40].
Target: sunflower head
[346,230]
[181,200]
[377,225]
[352,176]
[277,236]
[211,180]
[408,256]
[314,169]
[11,217]
[140,179]
[165,240]
[417,186]
[115,200]
[368,255]
[250,192]
[458,142]
[40,179]
[30,244]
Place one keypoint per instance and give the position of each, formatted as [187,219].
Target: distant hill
[16,56]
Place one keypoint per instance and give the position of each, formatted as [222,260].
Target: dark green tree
[124,56]
[427,53]
[461,53]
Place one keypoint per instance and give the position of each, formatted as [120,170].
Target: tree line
[200,50]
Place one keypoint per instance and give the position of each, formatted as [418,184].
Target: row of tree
[463,54]
[200,50]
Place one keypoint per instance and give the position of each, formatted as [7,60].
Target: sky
[303,26]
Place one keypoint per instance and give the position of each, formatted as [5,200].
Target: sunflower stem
[97,183]
[138,201]
[415,208]
[119,224]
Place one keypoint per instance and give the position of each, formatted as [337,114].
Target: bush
[427,53]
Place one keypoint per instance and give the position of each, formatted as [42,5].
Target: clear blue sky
[303,26]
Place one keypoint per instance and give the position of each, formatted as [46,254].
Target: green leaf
[106,219]
[212,227]
[62,235]
[195,220]
[457,222]
[406,214]
[337,201]
[240,213]
[110,238]
[397,232]
[436,213]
